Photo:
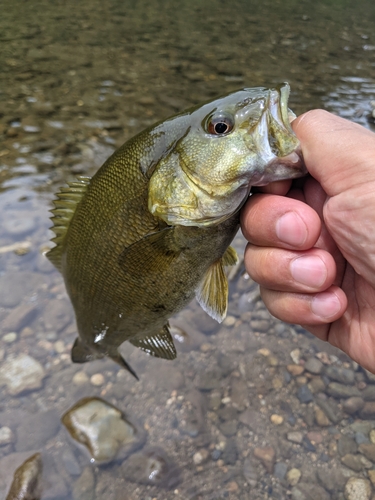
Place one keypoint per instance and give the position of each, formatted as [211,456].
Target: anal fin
[212,292]
[160,345]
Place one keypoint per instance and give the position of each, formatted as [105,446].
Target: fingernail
[309,270]
[325,305]
[291,229]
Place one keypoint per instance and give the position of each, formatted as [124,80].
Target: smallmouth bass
[152,228]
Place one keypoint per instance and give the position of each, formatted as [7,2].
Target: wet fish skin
[152,228]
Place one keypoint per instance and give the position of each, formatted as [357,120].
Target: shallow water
[77,80]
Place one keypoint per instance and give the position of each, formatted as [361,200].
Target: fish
[152,228]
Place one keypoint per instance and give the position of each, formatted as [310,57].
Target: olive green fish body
[152,228]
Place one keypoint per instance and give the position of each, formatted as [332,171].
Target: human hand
[313,251]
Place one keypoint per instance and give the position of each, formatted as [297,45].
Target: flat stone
[331,479]
[353,462]
[357,489]
[368,393]
[27,480]
[84,486]
[36,429]
[346,445]
[315,437]
[21,374]
[371,475]
[230,452]
[250,472]
[151,466]
[368,450]
[102,429]
[19,317]
[316,385]
[267,456]
[360,438]
[280,470]
[330,409]
[309,491]
[339,374]
[314,366]
[353,405]
[342,391]
[368,411]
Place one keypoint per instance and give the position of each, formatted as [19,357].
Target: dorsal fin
[65,203]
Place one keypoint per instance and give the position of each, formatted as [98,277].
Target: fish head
[229,145]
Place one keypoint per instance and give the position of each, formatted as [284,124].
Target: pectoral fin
[230,258]
[212,293]
[160,345]
[152,253]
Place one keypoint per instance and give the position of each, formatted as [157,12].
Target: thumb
[338,153]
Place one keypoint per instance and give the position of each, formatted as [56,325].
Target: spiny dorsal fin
[159,345]
[212,293]
[230,258]
[65,206]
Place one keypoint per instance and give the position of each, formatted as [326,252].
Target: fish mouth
[280,149]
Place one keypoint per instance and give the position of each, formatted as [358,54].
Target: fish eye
[220,124]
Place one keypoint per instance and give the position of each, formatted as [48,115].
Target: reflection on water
[251,409]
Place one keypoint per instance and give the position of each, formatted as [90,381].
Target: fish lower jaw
[281,168]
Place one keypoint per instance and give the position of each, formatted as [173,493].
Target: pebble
[80,378]
[314,366]
[321,418]
[332,479]
[57,315]
[267,456]
[229,321]
[230,452]
[201,456]
[360,438]
[102,429]
[295,437]
[368,450]
[293,476]
[9,338]
[357,489]
[27,480]
[151,466]
[19,317]
[280,470]
[97,379]
[353,405]
[316,385]
[309,491]
[342,391]
[295,370]
[346,445]
[340,374]
[330,409]
[296,356]
[21,374]
[368,393]
[6,436]
[276,419]
[371,475]
[250,473]
[304,394]
[23,285]
[372,436]
[352,461]
[368,411]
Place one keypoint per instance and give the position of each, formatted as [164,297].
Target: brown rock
[321,418]
[353,462]
[368,450]
[19,317]
[353,405]
[368,411]
[267,456]
[295,370]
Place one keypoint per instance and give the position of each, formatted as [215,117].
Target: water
[77,80]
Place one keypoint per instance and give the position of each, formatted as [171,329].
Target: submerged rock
[26,483]
[152,466]
[21,374]
[103,429]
